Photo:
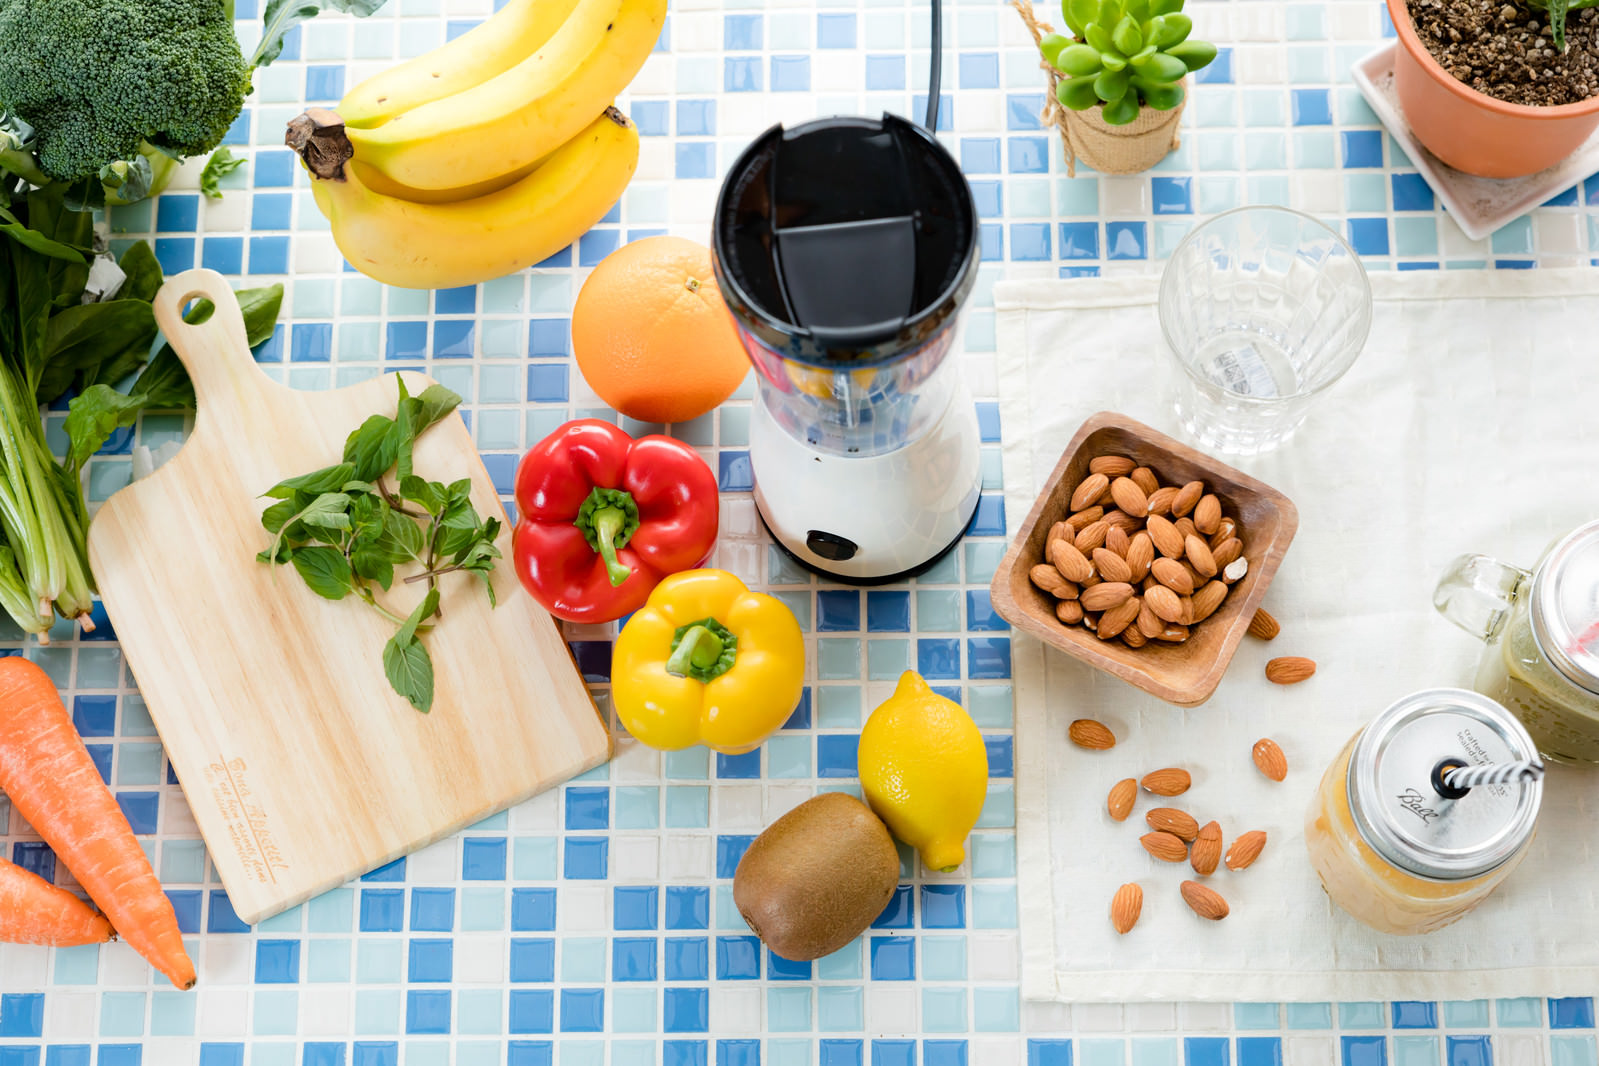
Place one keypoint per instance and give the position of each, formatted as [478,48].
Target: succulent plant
[1123,54]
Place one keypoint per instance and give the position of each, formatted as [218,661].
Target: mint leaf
[328,479]
[406,661]
[325,570]
[222,163]
[429,495]
[370,449]
[328,511]
[436,402]
[402,539]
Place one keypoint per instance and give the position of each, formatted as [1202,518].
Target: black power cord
[935,68]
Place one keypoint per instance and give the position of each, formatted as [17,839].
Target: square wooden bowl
[1185,674]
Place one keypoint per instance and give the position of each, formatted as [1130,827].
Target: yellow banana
[513,33]
[439,246]
[380,182]
[516,118]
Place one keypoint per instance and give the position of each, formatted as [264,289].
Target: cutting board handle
[216,352]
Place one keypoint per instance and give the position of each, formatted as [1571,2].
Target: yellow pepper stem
[703,650]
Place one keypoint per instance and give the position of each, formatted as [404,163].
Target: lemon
[924,770]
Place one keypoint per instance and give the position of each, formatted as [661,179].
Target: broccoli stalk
[99,80]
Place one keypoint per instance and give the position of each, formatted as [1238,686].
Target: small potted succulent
[1117,84]
[1498,88]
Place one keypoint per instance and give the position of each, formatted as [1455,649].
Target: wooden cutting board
[302,765]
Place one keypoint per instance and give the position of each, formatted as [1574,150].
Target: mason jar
[1542,633]
[1393,845]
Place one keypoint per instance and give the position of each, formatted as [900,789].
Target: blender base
[869,582]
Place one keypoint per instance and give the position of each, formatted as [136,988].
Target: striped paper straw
[1503,773]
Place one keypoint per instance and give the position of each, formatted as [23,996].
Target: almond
[1105,595]
[1207,599]
[1115,619]
[1124,521]
[1058,531]
[1289,669]
[1236,569]
[1169,781]
[1145,479]
[1206,852]
[1167,540]
[1174,575]
[1187,604]
[1165,604]
[1083,519]
[1140,553]
[1087,733]
[1187,497]
[1207,514]
[1269,758]
[1111,465]
[1245,850]
[1105,498]
[1116,540]
[1133,637]
[1227,551]
[1091,536]
[1088,491]
[1072,564]
[1198,555]
[1090,621]
[1173,634]
[1069,611]
[1125,907]
[1203,901]
[1129,497]
[1263,625]
[1185,527]
[1048,578]
[1178,823]
[1120,801]
[1149,623]
[1160,500]
[1111,567]
[1164,846]
[1225,531]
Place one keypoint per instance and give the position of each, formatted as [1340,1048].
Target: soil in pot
[1503,49]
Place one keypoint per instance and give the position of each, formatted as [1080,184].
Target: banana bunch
[488,154]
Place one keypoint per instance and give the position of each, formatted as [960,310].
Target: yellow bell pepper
[707,661]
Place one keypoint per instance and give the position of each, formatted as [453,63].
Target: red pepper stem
[608,523]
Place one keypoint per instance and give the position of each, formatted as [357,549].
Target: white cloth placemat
[1470,423]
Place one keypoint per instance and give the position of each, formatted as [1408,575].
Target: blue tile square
[1001,756]
[979,70]
[1220,70]
[989,198]
[482,859]
[177,213]
[596,244]
[885,72]
[431,960]
[453,339]
[1205,1051]
[837,611]
[1049,1052]
[119,1055]
[938,658]
[745,767]
[21,1015]
[530,1052]
[893,958]
[738,958]
[991,236]
[427,1012]
[980,155]
[742,74]
[1029,242]
[1260,1051]
[1365,1050]
[221,918]
[588,808]
[1311,107]
[696,118]
[549,338]
[686,1010]
[1027,155]
[688,907]
[980,613]
[277,962]
[741,33]
[187,905]
[586,858]
[791,74]
[1369,236]
[835,30]
[1362,148]
[944,1053]
[1572,1012]
[635,907]
[1171,196]
[210,1055]
[324,83]
[684,1053]
[1126,240]
[734,471]
[988,657]
[547,383]
[1415,1014]
[886,611]
[1023,111]
[943,906]
[322,1053]
[582,1010]
[1467,1051]
[686,958]
[376,1053]
[651,117]
[1079,240]
[36,857]
[532,909]
[836,755]
[95,716]
[532,1010]
[1411,193]
[271,210]
[841,1052]
[696,159]
[382,910]
[432,910]
[899,912]
[633,958]
[533,959]
[729,850]
[738,1053]
[781,969]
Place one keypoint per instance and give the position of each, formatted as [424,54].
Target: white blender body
[845,248]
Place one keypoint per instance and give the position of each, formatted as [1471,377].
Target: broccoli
[98,79]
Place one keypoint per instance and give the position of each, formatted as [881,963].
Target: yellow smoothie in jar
[1515,672]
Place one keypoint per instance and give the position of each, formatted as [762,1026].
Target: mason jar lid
[1400,814]
[1565,606]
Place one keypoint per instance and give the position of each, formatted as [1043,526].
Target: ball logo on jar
[1416,803]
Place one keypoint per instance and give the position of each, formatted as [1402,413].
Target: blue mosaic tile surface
[595,924]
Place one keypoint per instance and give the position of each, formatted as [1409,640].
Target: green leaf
[36,241]
[143,272]
[281,16]
[326,571]
[370,448]
[1051,45]
[1113,61]
[1161,68]
[1109,13]
[1193,54]
[93,416]
[1168,30]
[1122,111]
[1077,93]
[87,335]
[1079,13]
[274,517]
[431,496]
[1164,7]
[1557,22]
[1111,86]
[401,539]
[1127,36]
[1099,38]
[1080,59]
[403,433]
[1159,97]
[371,564]
[328,479]
[222,163]
[435,402]
[1138,9]
[328,511]
[407,663]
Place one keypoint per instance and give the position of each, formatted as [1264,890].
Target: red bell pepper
[602,518]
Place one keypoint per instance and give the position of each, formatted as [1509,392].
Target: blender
[845,248]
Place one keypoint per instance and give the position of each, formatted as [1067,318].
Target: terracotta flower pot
[1472,131]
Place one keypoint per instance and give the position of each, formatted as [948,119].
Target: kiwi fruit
[817,877]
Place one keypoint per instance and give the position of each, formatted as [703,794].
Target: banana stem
[319,139]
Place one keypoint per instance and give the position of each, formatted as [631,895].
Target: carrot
[33,911]
[48,775]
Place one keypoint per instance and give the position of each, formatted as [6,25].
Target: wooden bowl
[1185,674]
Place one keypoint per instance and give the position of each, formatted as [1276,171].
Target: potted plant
[1498,89]
[1117,85]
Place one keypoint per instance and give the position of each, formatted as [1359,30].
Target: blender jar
[1542,633]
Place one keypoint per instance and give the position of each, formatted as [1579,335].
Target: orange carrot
[48,775]
[33,911]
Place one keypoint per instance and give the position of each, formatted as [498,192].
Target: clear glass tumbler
[1264,308]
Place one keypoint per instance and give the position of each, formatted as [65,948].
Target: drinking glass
[1263,308]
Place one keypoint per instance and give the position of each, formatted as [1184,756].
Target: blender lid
[845,240]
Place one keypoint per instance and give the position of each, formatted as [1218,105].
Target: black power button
[830,545]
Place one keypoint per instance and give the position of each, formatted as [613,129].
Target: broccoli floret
[96,78]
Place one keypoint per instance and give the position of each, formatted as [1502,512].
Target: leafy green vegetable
[222,163]
[281,16]
[343,530]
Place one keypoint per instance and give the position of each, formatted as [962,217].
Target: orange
[651,335]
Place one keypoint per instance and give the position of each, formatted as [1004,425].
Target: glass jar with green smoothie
[1542,631]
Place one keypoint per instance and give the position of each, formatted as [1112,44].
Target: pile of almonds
[1139,560]
[1175,835]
